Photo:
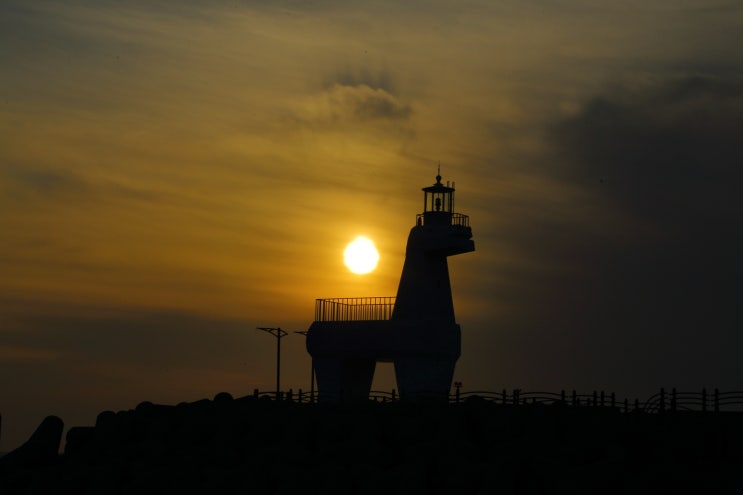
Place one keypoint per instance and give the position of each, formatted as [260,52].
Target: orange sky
[173,175]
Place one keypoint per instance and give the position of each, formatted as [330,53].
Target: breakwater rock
[250,445]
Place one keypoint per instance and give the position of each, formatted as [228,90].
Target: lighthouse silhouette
[416,330]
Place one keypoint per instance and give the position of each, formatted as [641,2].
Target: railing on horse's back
[354,308]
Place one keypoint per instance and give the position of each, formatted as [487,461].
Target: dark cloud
[44,182]
[357,107]
[363,77]
[76,360]
[640,283]
[62,184]
[155,339]
[670,154]
[366,103]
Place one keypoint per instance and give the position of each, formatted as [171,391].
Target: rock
[222,397]
[78,439]
[40,450]
[105,419]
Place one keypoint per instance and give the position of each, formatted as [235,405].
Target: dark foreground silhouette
[251,445]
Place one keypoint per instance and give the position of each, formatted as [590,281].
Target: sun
[361,256]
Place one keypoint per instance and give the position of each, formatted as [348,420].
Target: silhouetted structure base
[262,446]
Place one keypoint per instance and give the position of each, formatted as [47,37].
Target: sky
[174,174]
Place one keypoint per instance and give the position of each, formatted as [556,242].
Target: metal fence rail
[704,400]
[661,402]
[457,219]
[354,308]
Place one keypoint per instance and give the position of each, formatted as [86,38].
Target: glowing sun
[361,256]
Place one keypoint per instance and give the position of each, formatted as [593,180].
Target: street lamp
[312,372]
[278,333]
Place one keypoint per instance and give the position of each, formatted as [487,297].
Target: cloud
[343,104]
[628,268]
[43,182]
[378,79]
[669,153]
[9,353]
[34,185]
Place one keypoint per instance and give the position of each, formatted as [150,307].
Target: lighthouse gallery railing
[457,219]
[354,308]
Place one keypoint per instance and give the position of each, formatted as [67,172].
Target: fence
[690,401]
[660,402]
[354,308]
[457,219]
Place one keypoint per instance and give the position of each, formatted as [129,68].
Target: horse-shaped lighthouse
[416,330]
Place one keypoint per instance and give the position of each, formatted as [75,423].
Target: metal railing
[354,308]
[661,402]
[705,400]
[457,219]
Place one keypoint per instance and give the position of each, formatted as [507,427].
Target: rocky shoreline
[251,445]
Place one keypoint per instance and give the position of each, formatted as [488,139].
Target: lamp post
[278,333]
[312,370]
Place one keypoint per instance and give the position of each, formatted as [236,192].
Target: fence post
[516,396]
[717,400]
[457,395]
[505,396]
[626,405]
[299,396]
[674,402]
[595,402]
[637,404]
[704,399]
[575,397]
[613,400]
[602,398]
[393,395]
[662,405]
[562,396]
[256,393]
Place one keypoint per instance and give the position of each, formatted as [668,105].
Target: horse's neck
[424,292]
